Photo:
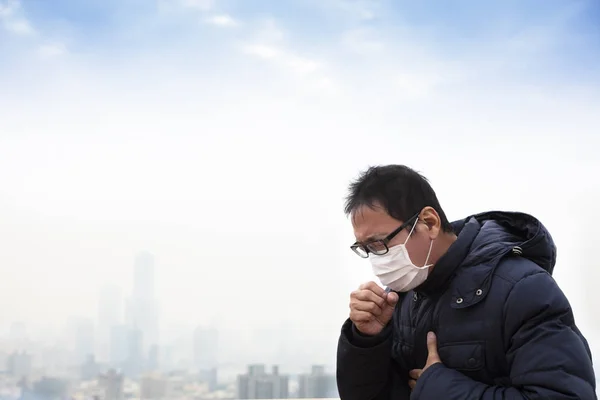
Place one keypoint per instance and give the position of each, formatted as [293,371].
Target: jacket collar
[444,270]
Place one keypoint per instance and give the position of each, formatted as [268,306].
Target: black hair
[400,190]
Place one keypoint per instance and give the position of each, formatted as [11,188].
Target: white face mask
[395,269]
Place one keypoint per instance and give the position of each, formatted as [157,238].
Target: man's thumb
[388,310]
[432,346]
[392,298]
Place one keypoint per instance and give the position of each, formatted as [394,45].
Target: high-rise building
[119,346]
[110,309]
[153,362]
[49,388]
[154,387]
[142,308]
[143,276]
[80,333]
[90,369]
[112,383]
[135,360]
[317,384]
[257,384]
[206,348]
[19,364]
[205,343]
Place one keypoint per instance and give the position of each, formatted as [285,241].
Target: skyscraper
[257,384]
[206,354]
[205,348]
[143,306]
[110,309]
[81,338]
[317,384]
[143,276]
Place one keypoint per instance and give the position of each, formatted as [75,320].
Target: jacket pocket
[464,356]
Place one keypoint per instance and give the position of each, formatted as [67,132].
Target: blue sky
[170,125]
[557,38]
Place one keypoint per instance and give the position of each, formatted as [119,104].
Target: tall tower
[205,348]
[143,276]
[143,306]
[110,308]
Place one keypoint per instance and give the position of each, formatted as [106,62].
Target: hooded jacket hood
[501,232]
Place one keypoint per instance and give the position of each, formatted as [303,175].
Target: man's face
[373,223]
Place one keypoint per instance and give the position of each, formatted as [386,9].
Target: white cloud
[362,41]
[268,31]
[283,58]
[416,85]
[19,27]
[223,20]
[262,51]
[12,20]
[203,5]
[361,10]
[8,7]
[52,50]
[269,42]
[176,6]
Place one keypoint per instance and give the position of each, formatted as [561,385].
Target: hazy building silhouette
[135,358]
[206,348]
[142,307]
[19,364]
[84,340]
[153,387]
[153,362]
[258,384]
[317,384]
[48,389]
[112,385]
[110,309]
[90,369]
[119,345]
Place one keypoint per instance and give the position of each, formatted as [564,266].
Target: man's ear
[432,220]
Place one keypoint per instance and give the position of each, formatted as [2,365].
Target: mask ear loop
[428,254]
[411,231]
[430,247]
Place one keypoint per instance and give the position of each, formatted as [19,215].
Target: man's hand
[432,358]
[371,308]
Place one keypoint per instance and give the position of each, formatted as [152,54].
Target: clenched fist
[371,308]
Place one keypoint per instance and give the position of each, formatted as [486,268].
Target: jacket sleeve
[548,359]
[365,370]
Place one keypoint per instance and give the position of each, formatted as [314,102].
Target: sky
[221,135]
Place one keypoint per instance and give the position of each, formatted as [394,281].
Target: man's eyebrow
[375,236]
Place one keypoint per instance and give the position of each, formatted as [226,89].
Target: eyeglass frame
[385,241]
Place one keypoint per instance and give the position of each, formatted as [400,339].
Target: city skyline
[110,354]
[220,136]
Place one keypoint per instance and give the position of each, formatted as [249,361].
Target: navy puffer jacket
[505,330]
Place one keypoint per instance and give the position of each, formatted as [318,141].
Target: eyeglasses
[380,247]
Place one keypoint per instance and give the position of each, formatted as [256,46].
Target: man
[470,310]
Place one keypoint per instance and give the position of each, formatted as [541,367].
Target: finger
[361,316]
[368,295]
[373,287]
[415,373]
[392,298]
[389,309]
[412,383]
[432,347]
[367,306]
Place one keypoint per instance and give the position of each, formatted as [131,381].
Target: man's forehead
[372,223]
[369,214]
